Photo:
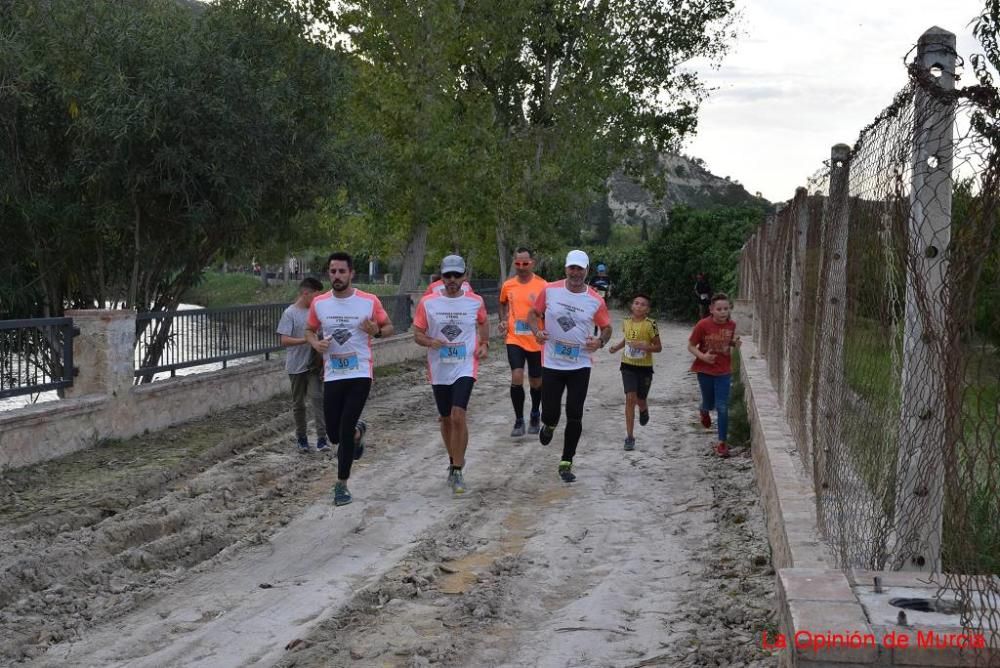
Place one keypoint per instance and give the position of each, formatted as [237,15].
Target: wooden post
[920,464]
[830,385]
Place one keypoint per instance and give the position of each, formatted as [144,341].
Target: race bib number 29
[569,352]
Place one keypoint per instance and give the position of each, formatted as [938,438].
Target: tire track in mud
[654,557]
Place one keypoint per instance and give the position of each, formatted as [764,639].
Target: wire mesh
[877,297]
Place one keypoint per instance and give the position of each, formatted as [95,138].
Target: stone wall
[103,402]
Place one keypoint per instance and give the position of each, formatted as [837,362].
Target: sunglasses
[452,274]
[522,263]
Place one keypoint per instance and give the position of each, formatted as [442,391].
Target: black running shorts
[517,356]
[455,395]
[637,379]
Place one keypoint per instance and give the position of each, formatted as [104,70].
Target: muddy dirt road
[217,545]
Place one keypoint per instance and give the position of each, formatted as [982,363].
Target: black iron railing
[172,340]
[36,355]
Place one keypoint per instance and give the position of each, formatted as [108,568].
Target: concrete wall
[815,598]
[103,403]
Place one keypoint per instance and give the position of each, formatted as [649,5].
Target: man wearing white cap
[570,309]
[454,328]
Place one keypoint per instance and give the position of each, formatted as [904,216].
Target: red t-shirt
[711,337]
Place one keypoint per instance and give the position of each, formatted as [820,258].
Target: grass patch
[739,422]
[217,290]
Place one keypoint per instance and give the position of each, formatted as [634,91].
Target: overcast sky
[807,74]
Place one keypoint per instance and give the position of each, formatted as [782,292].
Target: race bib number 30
[569,352]
[343,363]
[452,354]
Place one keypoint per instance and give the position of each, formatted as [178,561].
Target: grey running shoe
[341,495]
[457,482]
[566,471]
[359,445]
[518,429]
[535,423]
[322,445]
[629,443]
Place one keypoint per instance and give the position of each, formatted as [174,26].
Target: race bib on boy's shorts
[634,353]
[568,352]
[521,327]
[452,354]
[343,363]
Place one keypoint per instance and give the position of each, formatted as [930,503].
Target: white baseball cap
[577,258]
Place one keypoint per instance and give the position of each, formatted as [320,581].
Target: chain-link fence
[877,299]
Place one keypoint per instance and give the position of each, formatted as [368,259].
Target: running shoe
[359,445]
[545,434]
[706,419]
[535,423]
[303,444]
[518,429]
[341,495]
[630,443]
[457,482]
[322,445]
[566,471]
[722,449]
[643,418]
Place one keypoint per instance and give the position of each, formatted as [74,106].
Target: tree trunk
[502,253]
[413,260]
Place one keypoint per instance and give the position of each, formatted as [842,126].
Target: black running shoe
[545,434]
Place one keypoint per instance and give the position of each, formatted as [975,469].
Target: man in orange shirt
[517,297]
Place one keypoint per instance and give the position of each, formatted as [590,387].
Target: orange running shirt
[520,299]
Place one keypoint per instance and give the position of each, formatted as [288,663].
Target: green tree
[142,138]
[501,119]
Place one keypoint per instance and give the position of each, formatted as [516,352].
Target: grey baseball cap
[453,263]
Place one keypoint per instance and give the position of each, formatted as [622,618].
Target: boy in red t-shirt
[710,343]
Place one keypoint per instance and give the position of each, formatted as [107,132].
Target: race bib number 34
[569,352]
[343,363]
[452,354]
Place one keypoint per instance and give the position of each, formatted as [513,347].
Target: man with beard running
[454,328]
[517,298]
[348,319]
[570,309]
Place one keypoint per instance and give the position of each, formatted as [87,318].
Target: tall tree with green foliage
[501,119]
[141,138]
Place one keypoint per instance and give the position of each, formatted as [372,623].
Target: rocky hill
[688,182]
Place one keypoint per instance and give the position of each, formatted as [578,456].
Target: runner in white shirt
[453,326]
[348,319]
[570,309]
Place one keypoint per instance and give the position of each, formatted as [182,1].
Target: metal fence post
[832,310]
[920,464]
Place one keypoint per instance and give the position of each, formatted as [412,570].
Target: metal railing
[36,355]
[168,341]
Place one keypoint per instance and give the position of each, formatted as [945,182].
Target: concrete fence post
[104,352]
[920,464]
[795,390]
[832,313]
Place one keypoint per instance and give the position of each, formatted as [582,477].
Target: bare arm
[534,323]
[288,341]
[318,344]
[421,339]
[708,358]
[483,329]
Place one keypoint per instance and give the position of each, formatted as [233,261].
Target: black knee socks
[517,398]
[536,399]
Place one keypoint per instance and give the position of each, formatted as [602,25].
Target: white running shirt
[339,320]
[453,320]
[569,319]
